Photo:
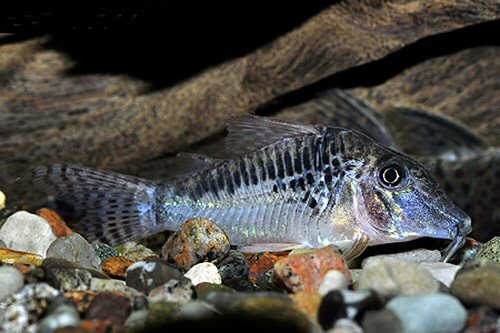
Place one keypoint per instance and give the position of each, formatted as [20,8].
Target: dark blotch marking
[302,183]
[307,158]
[237,178]
[310,178]
[244,173]
[275,188]
[328,175]
[288,164]
[306,196]
[253,174]
[229,181]
[279,167]
[313,203]
[297,163]
[271,170]
[293,184]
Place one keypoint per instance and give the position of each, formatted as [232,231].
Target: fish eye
[391,175]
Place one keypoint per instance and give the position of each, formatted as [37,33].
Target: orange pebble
[116,266]
[56,222]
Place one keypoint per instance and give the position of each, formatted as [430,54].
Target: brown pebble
[82,299]
[56,222]
[8,256]
[108,306]
[260,263]
[307,302]
[116,266]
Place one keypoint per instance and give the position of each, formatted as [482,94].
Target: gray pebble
[64,315]
[104,251]
[68,279]
[147,275]
[14,319]
[176,290]
[137,319]
[417,256]
[75,248]
[491,250]
[11,281]
[2,244]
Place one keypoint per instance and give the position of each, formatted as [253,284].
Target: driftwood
[114,122]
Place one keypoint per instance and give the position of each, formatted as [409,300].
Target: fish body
[311,187]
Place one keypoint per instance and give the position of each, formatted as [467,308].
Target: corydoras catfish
[294,186]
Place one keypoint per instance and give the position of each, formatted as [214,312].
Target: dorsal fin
[424,133]
[249,133]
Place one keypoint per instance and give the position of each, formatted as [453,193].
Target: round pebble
[333,280]
[14,319]
[204,272]
[436,313]
[64,315]
[12,281]
[491,250]
[136,252]
[104,251]
[17,233]
[147,275]
[137,319]
[75,248]
[196,241]
[2,200]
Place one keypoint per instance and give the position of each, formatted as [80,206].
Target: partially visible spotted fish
[292,186]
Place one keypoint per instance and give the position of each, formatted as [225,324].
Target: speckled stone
[176,290]
[162,313]
[147,275]
[75,248]
[136,252]
[63,315]
[14,319]
[68,279]
[104,251]
[491,250]
[234,271]
[108,306]
[11,281]
[391,277]
[417,256]
[204,272]
[196,241]
[112,285]
[17,233]
[116,266]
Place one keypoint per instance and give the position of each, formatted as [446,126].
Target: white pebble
[443,272]
[333,280]
[2,200]
[12,281]
[27,232]
[204,272]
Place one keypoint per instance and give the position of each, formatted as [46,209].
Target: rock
[17,257]
[346,326]
[204,272]
[176,290]
[108,306]
[136,252]
[50,263]
[64,315]
[443,272]
[81,299]
[262,263]
[417,256]
[195,310]
[116,266]
[307,301]
[491,250]
[305,271]
[202,289]
[2,200]
[434,313]
[14,319]
[162,313]
[478,284]
[104,251]
[392,277]
[114,286]
[2,244]
[333,280]
[68,279]
[196,241]
[137,319]
[56,222]
[75,248]
[234,271]
[12,281]
[468,252]
[382,321]
[17,233]
[147,275]
[481,320]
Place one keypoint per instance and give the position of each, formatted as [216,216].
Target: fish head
[397,199]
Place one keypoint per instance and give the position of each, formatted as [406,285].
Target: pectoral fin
[352,249]
[271,247]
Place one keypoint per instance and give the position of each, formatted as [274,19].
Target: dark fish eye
[391,175]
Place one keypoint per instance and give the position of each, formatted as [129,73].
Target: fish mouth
[458,240]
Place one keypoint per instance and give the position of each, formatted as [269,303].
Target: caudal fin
[108,206]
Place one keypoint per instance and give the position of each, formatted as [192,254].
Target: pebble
[17,257]
[2,244]
[305,271]
[116,266]
[468,252]
[384,321]
[113,286]
[196,241]
[392,277]
[481,320]
[64,315]
[195,310]
[307,301]
[417,256]
[108,306]
[56,222]
[333,280]
[136,252]
[179,291]
[204,272]
[147,275]
[14,319]
[234,270]
[137,319]
[346,326]
[203,289]
[2,200]
[478,283]
[491,250]
[68,279]
[104,251]
[443,272]
[262,263]
[76,249]
[11,281]
[50,263]
[162,313]
[434,313]
[17,233]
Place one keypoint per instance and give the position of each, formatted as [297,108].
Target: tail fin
[109,207]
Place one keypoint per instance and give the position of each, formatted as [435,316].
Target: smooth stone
[234,271]
[136,252]
[346,326]
[108,306]
[333,280]
[162,313]
[443,272]
[68,279]
[490,250]
[482,320]
[226,301]
[383,320]
[197,240]
[2,244]
[195,310]
[204,272]
[147,275]
[116,266]
[416,256]
[137,319]
[50,263]
[11,281]
[392,277]
[75,248]
[17,233]
[478,283]
[13,257]
[176,290]
[467,253]
[64,315]
[104,251]
[113,286]
[2,200]
[14,319]
[436,313]
[56,222]
[205,288]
